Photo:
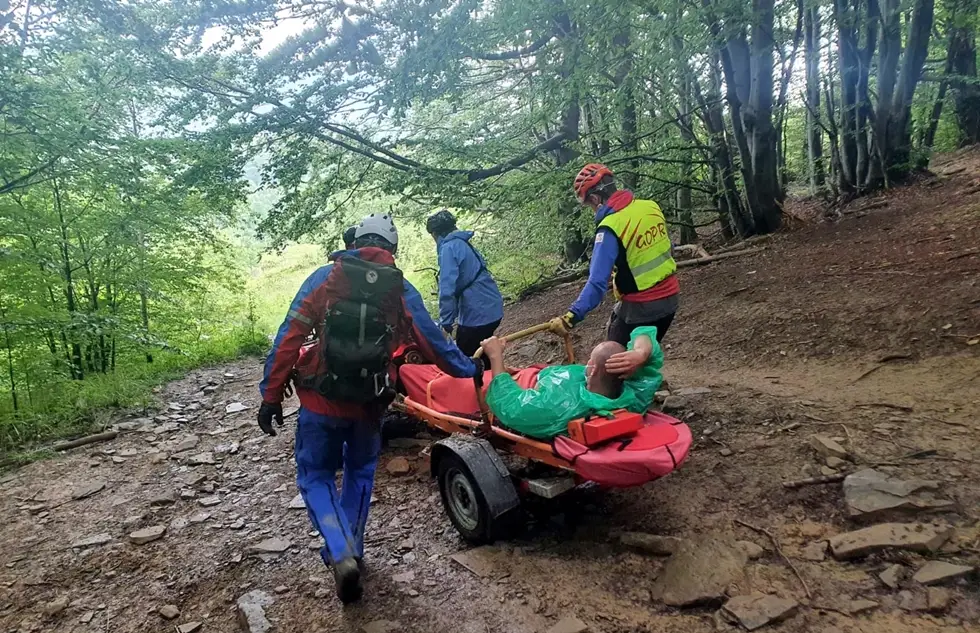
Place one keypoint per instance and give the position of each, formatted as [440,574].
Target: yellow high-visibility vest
[644,258]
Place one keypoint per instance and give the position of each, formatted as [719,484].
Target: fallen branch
[83,441]
[881,363]
[887,405]
[814,481]
[575,275]
[779,551]
[740,246]
[713,258]
[545,284]
[972,251]
[732,293]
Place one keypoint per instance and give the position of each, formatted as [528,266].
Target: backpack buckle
[381,388]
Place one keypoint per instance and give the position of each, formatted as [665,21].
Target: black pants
[620,331]
[468,338]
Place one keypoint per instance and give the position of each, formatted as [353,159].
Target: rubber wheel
[465,504]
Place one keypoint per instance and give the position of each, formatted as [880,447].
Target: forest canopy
[151,150]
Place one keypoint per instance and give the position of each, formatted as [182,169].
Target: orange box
[596,430]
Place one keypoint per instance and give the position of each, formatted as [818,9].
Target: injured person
[614,378]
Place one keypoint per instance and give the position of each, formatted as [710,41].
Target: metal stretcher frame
[484,427]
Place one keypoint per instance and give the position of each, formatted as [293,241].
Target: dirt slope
[784,340]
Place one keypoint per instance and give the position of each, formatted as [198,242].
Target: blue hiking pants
[324,445]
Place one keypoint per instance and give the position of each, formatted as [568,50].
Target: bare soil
[784,339]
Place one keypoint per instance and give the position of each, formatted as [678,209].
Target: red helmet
[588,178]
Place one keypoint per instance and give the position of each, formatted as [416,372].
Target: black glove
[267,412]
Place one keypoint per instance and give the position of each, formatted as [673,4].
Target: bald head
[598,380]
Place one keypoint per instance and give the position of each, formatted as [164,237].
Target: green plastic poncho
[560,395]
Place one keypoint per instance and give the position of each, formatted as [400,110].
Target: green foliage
[171,171]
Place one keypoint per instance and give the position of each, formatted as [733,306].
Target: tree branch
[530,49]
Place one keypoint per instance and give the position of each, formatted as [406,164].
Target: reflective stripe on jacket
[644,258]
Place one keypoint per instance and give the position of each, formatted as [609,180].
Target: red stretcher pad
[655,449]
[429,386]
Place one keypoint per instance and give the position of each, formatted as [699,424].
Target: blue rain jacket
[468,295]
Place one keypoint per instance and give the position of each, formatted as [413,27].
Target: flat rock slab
[938,599]
[251,612]
[87,490]
[94,540]
[700,572]
[915,537]
[56,606]
[857,607]
[826,447]
[408,442]
[756,610]
[187,443]
[674,403]
[871,495]
[164,498]
[478,561]
[569,625]
[892,577]
[653,544]
[398,466]
[815,552]
[404,577]
[382,626]
[752,551]
[201,459]
[936,572]
[147,535]
[235,407]
[692,391]
[297,503]
[189,627]
[270,546]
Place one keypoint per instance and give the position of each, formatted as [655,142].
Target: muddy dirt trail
[842,347]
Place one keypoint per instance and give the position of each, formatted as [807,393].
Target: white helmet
[378,224]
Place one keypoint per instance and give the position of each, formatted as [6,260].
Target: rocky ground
[843,351]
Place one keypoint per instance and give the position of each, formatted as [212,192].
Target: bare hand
[626,363]
[494,347]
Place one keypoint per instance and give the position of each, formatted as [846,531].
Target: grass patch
[69,408]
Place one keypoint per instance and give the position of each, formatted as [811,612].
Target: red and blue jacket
[308,311]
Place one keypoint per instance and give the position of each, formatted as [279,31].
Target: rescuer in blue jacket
[468,295]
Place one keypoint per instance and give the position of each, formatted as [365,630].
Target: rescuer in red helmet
[631,238]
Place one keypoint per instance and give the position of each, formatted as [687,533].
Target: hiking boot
[347,576]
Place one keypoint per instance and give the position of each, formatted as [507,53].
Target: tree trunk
[683,86]
[714,122]
[624,91]
[929,138]
[786,72]
[963,58]
[10,357]
[75,360]
[864,107]
[575,244]
[847,54]
[752,68]
[814,145]
[896,86]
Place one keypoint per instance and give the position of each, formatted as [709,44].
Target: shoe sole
[349,583]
